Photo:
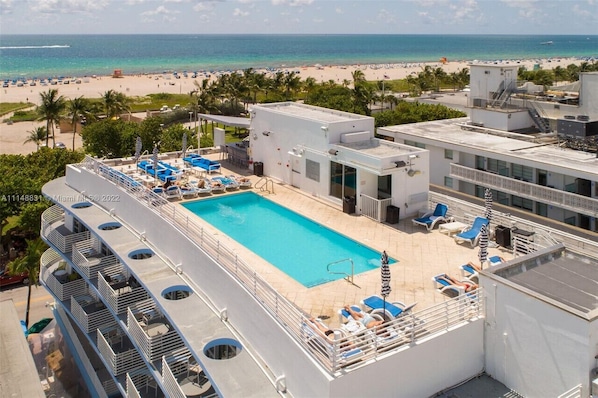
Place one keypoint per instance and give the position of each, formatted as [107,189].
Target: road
[39,298]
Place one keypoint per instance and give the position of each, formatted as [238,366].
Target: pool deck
[420,254]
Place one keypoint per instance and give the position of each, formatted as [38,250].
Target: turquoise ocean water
[45,56]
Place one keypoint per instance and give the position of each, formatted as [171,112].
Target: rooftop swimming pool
[296,245]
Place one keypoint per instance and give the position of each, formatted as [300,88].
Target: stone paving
[420,254]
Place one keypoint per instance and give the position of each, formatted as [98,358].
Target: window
[415,144]
[480,163]
[312,170]
[542,209]
[497,166]
[448,154]
[384,187]
[520,172]
[521,203]
[448,182]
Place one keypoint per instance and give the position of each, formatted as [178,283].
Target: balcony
[88,258]
[118,352]
[62,283]
[118,289]
[152,332]
[55,231]
[90,313]
[551,196]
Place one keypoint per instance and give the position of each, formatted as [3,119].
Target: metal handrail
[348,278]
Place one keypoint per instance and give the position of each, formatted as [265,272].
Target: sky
[552,17]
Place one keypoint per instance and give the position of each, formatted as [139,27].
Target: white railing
[89,321]
[544,236]
[131,389]
[374,208]
[120,362]
[575,392]
[62,291]
[52,220]
[556,197]
[88,367]
[121,300]
[288,315]
[87,258]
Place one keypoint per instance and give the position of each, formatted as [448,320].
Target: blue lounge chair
[393,309]
[451,290]
[430,219]
[472,235]
[228,183]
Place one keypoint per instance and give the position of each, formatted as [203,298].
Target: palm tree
[50,110]
[115,103]
[37,135]
[29,263]
[291,83]
[76,109]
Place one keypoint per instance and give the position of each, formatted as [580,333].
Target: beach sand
[12,136]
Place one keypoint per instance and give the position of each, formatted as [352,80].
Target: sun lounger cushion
[377,302]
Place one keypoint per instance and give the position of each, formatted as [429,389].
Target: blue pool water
[299,247]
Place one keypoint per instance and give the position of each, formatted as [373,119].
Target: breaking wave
[29,47]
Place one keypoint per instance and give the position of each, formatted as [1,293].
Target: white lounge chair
[173,192]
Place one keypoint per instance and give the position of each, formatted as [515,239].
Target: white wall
[533,347]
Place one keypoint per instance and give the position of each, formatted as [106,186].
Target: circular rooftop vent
[82,205]
[109,226]
[179,292]
[141,254]
[222,349]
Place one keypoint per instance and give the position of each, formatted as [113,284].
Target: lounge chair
[430,219]
[393,309]
[173,192]
[215,186]
[472,235]
[188,191]
[320,343]
[228,183]
[243,182]
[201,187]
[445,287]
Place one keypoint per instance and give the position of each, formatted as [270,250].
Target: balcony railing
[89,260]
[289,316]
[121,298]
[374,208]
[119,362]
[570,201]
[90,315]
[54,230]
[151,331]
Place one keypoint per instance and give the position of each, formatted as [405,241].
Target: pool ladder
[263,183]
[347,277]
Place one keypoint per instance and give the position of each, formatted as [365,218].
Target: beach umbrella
[138,148]
[483,253]
[155,160]
[385,274]
[184,143]
[488,204]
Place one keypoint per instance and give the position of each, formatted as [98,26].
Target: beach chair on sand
[472,235]
[430,219]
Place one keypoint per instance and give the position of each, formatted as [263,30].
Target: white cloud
[339,10]
[5,6]
[237,12]
[161,10]
[68,6]
[385,16]
[292,3]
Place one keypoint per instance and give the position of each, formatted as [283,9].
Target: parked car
[60,145]
[7,279]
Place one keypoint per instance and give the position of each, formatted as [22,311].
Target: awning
[233,121]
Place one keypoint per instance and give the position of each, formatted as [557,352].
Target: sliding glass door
[343,180]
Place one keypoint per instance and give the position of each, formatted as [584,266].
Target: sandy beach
[12,136]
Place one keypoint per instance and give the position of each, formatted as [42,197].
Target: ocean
[42,56]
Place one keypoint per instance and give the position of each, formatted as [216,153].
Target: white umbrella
[184,144]
[385,274]
[483,253]
[488,204]
[155,161]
